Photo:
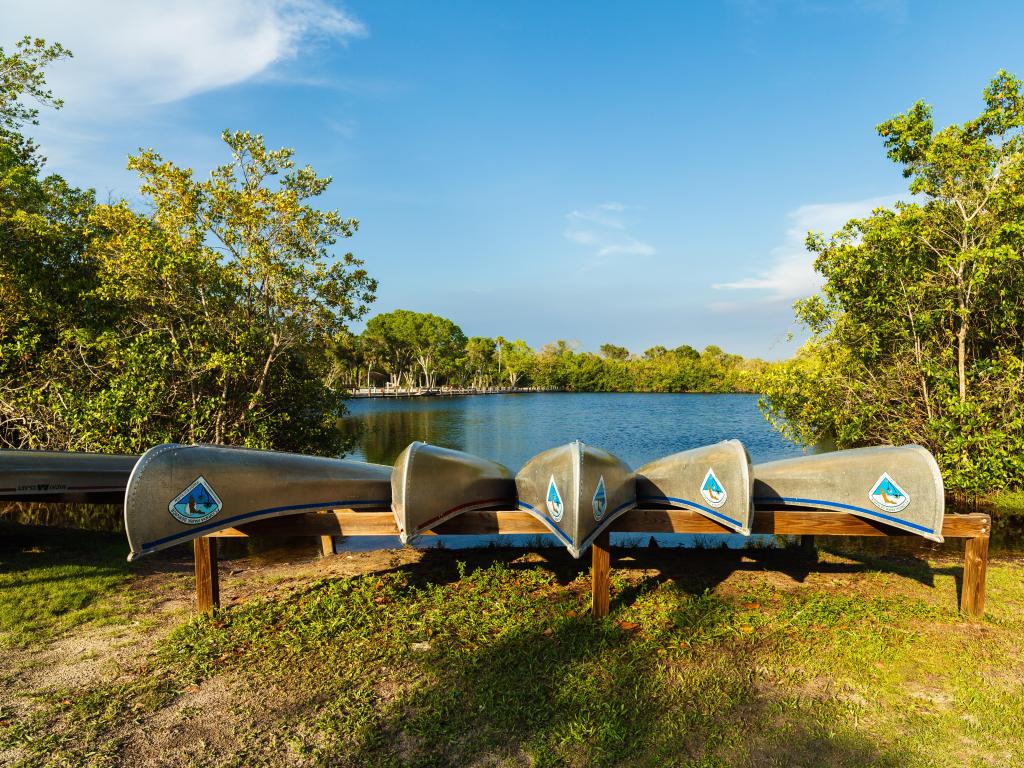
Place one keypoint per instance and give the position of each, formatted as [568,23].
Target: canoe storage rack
[975,528]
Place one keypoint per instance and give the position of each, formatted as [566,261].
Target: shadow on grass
[553,688]
[693,570]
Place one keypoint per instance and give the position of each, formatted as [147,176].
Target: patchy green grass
[69,579]
[708,659]
[1009,502]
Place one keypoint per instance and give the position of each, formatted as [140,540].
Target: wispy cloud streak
[603,229]
[790,273]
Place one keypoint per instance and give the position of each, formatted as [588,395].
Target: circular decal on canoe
[554,501]
[600,502]
[196,504]
[887,495]
[712,490]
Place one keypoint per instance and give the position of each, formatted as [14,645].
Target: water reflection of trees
[93,517]
[385,434]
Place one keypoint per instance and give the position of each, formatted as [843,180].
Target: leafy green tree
[212,315]
[408,340]
[918,335]
[23,75]
[520,361]
[390,336]
[44,232]
[612,352]
[438,345]
[481,360]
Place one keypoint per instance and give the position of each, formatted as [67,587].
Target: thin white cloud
[631,248]
[790,274]
[603,229]
[134,53]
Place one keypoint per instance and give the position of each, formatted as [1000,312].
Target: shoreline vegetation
[414,351]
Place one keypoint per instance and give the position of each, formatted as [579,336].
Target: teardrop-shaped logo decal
[888,496]
[600,503]
[554,501]
[712,490]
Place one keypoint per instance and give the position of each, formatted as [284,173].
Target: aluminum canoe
[51,476]
[576,490]
[433,484]
[715,480]
[179,492]
[897,485]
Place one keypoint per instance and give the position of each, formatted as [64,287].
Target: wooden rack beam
[345,522]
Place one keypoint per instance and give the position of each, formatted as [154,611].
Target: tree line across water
[414,349]
[221,310]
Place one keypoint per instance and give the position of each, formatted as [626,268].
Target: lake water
[510,429]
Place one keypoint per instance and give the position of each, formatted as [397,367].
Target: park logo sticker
[554,501]
[600,502]
[196,504]
[712,490]
[888,496]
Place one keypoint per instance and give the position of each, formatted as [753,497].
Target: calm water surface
[512,428]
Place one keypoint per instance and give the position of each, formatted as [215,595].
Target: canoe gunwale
[731,525]
[548,523]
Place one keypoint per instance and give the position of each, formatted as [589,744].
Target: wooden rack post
[974,527]
[600,576]
[207,580]
[972,589]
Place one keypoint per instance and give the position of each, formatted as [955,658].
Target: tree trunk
[961,352]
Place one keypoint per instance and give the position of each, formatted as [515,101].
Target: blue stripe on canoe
[546,520]
[851,507]
[222,523]
[623,505]
[693,504]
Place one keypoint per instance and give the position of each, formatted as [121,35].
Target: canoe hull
[576,490]
[897,485]
[177,493]
[66,478]
[715,480]
[431,484]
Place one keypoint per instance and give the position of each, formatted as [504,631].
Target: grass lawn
[53,580]
[490,659]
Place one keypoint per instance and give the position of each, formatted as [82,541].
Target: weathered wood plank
[600,576]
[972,590]
[207,580]
[327,545]
[782,522]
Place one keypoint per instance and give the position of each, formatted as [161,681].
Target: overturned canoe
[179,492]
[897,485]
[432,484]
[715,480]
[52,476]
[576,490]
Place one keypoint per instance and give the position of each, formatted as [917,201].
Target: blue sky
[637,173]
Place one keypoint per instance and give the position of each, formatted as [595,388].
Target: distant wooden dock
[365,392]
